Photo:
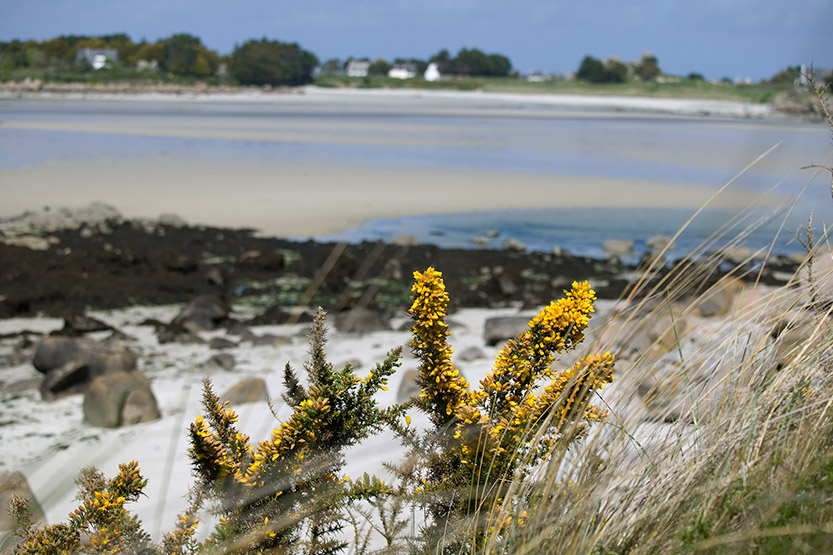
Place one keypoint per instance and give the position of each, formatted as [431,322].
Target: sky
[717,38]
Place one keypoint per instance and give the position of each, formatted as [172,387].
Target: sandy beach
[326,160]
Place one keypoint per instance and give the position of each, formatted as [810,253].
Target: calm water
[443,134]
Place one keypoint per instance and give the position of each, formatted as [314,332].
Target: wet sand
[300,201]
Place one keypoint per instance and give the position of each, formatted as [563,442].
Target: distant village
[273,63]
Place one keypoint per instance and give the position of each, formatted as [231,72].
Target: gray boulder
[361,320]
[500,328]
[250,390]
[120,399]
[206,312]
[70,364]
[408,386]
[619,247]
[101,358]
[15,483]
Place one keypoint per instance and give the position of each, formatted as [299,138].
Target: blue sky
[718,38]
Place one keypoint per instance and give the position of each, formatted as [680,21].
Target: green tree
[379,67]
[786,76]
[591,70]
[184,54]
[648,68]
[265,62]
[475,62]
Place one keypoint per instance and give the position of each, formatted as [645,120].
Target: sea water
[460,136]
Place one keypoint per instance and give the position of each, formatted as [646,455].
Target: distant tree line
[256,62]
[271,62]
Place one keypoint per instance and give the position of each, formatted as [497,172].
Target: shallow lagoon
[61,146]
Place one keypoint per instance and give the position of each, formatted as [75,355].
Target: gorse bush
[484,438]
[287,495]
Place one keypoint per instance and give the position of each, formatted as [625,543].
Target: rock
[492,233]
[278,315]
[405,241]
[720,298]
[500,328]
[120,399]
[173,220]
[242,331]
[270,261]
[77,325]
[790,335]
[222,361]
[206,312]
[408,386]
[469,354]
[215,276]
[178,333]
[480,241]
[619,247]
[361,320]
[250,390]
[71,378]
[28,242]
[15,483]
[100,358]
[737,254]
[514,245]
[660,242]
[270,340]
[221,343]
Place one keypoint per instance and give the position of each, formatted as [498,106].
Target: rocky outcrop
[120,399]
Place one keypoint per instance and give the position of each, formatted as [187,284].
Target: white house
[358,68]
[403,71]
[97,57]
[432,72]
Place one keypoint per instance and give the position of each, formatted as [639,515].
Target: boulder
[120,399]
[205,312]
[70,364]
[71,378]
[221,343]
[619,247]
[76,325]
[361,320]
[270,340]
[15,483]
[469,354]
[405,240]
[221,361]
[500,328]
[720,298]
[480,241]
[514,245]
[659,242]
[408,386]
[250,390]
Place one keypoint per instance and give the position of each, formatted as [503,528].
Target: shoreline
[616,104]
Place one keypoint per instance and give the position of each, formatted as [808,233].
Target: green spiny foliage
[286,495]
[100,524]
[267,493]
[483,439]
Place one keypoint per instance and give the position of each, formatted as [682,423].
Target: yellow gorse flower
[496,424]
